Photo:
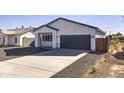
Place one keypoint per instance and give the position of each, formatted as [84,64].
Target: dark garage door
[75,41]
[27,42]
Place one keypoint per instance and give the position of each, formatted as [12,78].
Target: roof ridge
[71,21]
[76,23]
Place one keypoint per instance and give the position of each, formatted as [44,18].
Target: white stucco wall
[27,35]
[36,44]
[1,40]
[93,43]
[10,40]
[58,39]
[6,40]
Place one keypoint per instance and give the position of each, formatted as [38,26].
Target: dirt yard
[111,65]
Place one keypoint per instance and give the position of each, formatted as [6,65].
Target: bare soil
[111,65]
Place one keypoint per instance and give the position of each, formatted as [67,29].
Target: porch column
[93,43]
[6,41]
[54,41]
[36,40]
[58,40]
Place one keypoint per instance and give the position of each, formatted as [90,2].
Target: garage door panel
[27,42]
[75,41]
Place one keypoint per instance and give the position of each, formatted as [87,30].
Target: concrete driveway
[44,64]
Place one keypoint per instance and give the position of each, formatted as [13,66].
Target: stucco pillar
[54,40]
[58,40]
[36,40]
[93,43]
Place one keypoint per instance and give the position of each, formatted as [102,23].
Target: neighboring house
[64,33]
[17,37]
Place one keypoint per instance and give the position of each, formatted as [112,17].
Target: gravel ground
[80,67]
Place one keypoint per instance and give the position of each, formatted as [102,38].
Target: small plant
[93,69]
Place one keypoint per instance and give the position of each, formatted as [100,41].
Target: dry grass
[116,47]
[109,66]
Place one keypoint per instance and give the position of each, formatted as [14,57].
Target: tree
[119,34]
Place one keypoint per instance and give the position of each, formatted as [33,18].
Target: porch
[47,37]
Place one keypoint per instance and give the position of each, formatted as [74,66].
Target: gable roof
[98,29]
[47,26]
[18,31]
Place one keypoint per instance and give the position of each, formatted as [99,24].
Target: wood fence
[102,44]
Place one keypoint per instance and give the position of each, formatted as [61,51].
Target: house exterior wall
[27,35]
[1,40]
[18,40]
[99,33]
[6,40]
[36,43]
[46,30]
[10,40]
[69,28]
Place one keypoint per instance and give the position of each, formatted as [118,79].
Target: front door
[46,40]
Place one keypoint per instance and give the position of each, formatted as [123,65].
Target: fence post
[108,38]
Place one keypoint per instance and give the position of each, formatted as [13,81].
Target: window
[15,39]
[3,39]
[47,37]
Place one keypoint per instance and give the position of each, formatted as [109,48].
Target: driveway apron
[44,64]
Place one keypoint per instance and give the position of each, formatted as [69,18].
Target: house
[64,33]
[17,37]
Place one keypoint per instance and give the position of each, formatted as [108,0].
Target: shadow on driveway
[61,52]
[23,51]
[41,52]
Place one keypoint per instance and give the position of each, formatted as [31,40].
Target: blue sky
[105,22]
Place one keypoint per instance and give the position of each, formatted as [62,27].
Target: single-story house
[17,37]
[64,33]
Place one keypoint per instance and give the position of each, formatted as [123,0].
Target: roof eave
[47,27]
[101,31]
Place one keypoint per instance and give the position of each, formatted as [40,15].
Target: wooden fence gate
[101,44]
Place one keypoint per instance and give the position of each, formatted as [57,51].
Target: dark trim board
[46,26]
[75,42]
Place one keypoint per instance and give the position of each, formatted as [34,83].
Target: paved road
[44,64]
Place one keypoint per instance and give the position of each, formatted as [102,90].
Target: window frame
[15,39]
[47,37]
